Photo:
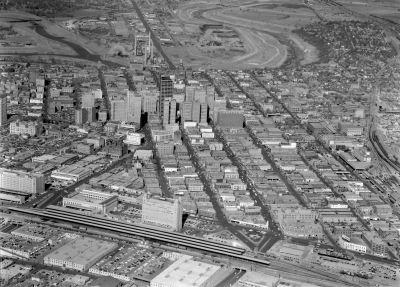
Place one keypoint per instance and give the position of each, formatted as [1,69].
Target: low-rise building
[188,272]
[91,200]
[25,128]
[80,254]
[353,244]
[375,243]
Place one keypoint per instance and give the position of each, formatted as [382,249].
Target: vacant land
[22,25]
[264,30]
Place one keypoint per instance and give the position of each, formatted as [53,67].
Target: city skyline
[199,143]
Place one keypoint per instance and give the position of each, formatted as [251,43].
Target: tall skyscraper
[118,110]
[196,112]
[186,111]
[201,95]
[162,212]
[189,93]
[134,108]
[203,113]
[91,114]
[88,100]
[169,112]
[149,104]
[166,89]
[3,110]
[80,116]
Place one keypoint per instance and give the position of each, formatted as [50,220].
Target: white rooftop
[185,272]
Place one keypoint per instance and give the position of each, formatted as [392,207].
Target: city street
[234,229]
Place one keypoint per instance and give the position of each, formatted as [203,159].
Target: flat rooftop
[84,198]
[186,272]
[83,250]
[35,230]
[258,279]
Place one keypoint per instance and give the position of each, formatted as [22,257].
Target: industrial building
[72,173]
[80,254]
[188,272]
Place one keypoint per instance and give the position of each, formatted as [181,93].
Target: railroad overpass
[181,240]
[237,254]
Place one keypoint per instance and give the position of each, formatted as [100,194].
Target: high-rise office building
[88,100]
[134,108]
[172,112]
[118,110]
[169,112]
[201,95]
[149,104]
[3,110]
[203,113]
[21,181]
[85,115]
[166,91]
[91,114]
[80,116]
[196,112]
[186,111]
[189,93]
[164,213]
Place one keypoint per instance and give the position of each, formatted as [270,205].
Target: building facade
[3,110]
[21,181]
[162,212]
[22,128]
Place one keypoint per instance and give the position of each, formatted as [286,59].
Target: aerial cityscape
[204,143]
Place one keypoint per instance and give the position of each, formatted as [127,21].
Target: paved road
[250,187]
[233,278]
[58,194]
[166,192]
[200,170]
[326,150]
[106,99]
[154,38]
